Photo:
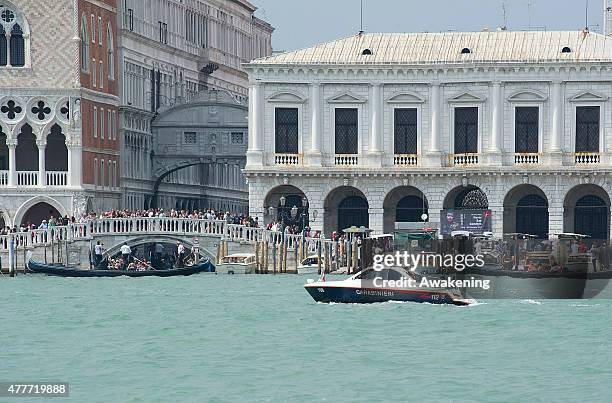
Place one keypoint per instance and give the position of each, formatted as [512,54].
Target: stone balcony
[32,178]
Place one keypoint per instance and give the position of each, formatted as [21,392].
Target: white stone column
[256,116]
[12,178]
[314,154]
[376,220]
[556,133]
[555,218]
[376,126]
[495,140]
[8,48]
[433,156]
[42,174]
[75,156]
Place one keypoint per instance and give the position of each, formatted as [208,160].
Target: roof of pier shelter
[449,48]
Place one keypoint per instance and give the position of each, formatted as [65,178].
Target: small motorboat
[388,284]
[60,270]
[310,265]
[238,263]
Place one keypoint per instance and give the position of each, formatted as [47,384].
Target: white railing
[346,160]
[587,158]
[57,178]
[464,159]
[287,159]
[27,178]
[4,175]
[526,158]
[138,226]
[405,160]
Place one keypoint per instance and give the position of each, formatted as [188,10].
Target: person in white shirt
[98,253]
[126,251]
[181,251]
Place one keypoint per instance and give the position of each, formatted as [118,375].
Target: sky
[302,23]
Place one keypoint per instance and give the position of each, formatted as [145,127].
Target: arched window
[110,52]
[17,47]
[3,47]
[84,45]
[14,37]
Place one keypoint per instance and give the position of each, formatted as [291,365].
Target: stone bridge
[73,243]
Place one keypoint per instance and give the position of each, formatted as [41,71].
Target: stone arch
[4,153]
[293,196]
[464,197]
[586,209]
[160,239]
[404,204]
[26,153]
[526,211]
[343,207]
[56,152]
[28,204]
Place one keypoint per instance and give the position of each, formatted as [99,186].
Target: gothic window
[526,129]
[286,130]
[3,47]
[84,45]
[13,36]
[587,129]
[110,53]
[17,47]
[405,122]
[466,130]
[347,133]
[471,198]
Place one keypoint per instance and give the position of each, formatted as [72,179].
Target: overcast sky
[301,23]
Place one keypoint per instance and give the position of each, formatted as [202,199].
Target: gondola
[57,270]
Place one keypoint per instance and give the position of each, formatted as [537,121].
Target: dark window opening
[286,130]
[587,129]
[17,47]
[566,50]
[347,134]
[466,51]
[3,47]
[366,52]
[405,131]
[526,129]
[466,130]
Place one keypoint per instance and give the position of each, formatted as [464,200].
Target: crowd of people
[230,218]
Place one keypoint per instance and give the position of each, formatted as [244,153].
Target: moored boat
[389,284]
[310,265]
[238,263]
[64,271]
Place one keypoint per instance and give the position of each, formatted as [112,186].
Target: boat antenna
[505,12]
[586,16]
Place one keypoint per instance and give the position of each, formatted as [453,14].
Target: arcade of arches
[526,208]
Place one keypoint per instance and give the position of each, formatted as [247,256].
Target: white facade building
[376,129]
[169,51]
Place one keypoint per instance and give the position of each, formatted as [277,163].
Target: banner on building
[477,222]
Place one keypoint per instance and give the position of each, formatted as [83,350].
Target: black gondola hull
[206,267]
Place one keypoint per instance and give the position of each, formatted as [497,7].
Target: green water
[261,338]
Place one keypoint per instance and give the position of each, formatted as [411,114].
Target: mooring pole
[319,256]
[11,256]
[257,270]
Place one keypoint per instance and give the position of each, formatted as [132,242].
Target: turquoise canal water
[262,338]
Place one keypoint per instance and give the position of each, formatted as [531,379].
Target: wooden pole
[219,252]
[285,249]
[266,256]
[296,255]
[319,256]
[354,259]
[11,256]
[257,257]
[274,257]
[326,257]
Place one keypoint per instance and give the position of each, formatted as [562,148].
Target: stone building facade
[171,50]
[379,129]
[45,101]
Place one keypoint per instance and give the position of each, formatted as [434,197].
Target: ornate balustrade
[137,226]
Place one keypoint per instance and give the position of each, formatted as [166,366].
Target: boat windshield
[385,274]
[234,259]
[310,261]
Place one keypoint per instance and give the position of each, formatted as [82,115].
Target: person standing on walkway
[98,251]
